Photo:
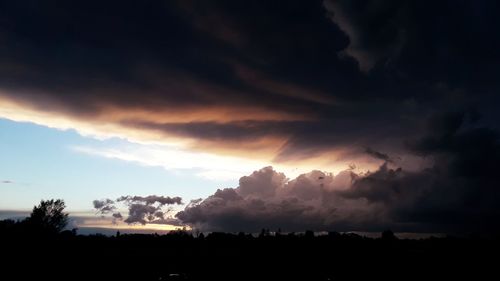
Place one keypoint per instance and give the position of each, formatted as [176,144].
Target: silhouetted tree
[388,235]
[48,216]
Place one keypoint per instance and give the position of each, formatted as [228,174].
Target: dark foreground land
[180,256]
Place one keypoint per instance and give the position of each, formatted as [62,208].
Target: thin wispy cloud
[210,166]
[171,158]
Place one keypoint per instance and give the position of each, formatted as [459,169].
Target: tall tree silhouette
[49,216]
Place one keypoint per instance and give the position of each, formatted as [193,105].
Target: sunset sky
[229,115]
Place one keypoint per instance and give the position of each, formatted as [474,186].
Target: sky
[231,116]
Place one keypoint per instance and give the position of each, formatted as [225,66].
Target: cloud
[150,200]
[7,181]
[210,166]
[104,206]
[207,77]
[142,210]
[375,29]
[454,193]
[117,216]
[378,155]
[139,213]
[457,193]
[266,198]
[148,209]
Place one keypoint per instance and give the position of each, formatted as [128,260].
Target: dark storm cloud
[73,50]
[457,193]
[231,131]
[444,41]
[378,155]
[209,70]
[376,29]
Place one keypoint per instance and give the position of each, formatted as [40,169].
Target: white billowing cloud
[263,183]
[267,198]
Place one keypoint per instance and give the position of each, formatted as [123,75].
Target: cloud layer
[458,193]
[284,89]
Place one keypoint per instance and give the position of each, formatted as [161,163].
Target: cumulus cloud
[151,199]
[117,216]
[266,198]
[457,193]
[148,209]
[141,209]
[104,206]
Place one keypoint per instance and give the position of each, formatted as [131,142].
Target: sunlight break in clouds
[171,153]
[211,166]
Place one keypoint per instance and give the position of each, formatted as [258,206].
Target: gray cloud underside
[85,57]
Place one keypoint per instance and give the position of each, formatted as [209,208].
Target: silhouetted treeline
[182,255]
[37,248]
